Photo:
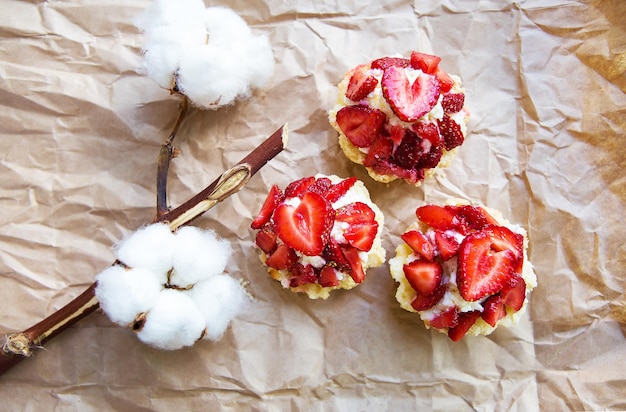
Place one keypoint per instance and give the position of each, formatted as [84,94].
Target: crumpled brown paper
[80,132]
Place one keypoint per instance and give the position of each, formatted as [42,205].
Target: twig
[166,154]
[21,345]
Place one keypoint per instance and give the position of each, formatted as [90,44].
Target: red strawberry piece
[452,102]
[493,310]
[385,62]
[437,217]
[409,152]
[473,217]
[425,62]
[361,124]
[487,261]
[305,227]
[302,275]
[333,254]
[514,293]
[328,277]
[379,152]
[396,132]
[431,144]
[362,225]
[465,321]
[409,101]
[419,243]
[423,276]
[356,267]
[282,258]
[451,132]
[274,197]
[447,319]
[299,187]
[425,302]
[445,81]
[360,85]
[339,189]
[266,240]
[320,186]
[446,244]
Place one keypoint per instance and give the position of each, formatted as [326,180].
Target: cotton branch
[22,345]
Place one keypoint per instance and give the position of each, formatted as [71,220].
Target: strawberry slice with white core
[274,197]
[361,84]
[339,189]
[464,322]
[447,319]
[488,260]
[282,258]
[423,276]
[356,266]
[514,293]
[437,217]
[360,124]
[305,227]
[493,310]
[409,101]
[419,243]
[362,225]
[425,62]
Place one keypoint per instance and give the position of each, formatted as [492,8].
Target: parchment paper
[80,130]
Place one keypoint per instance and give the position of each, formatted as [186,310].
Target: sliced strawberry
[451,132]
[282,258]
[445,81]
[422,302]
[473,217]
[437,217]
[360,124]
[299,187]
[385,62]
[425,62]
[419,243]
[409,151]
[320,186]
[356,267]
[446,244]
[328,277]
[431,143]
[514,293]
[447,319]
[334,255]
[452,102]
[362,225]
[493,310]
[487,261]
[465,321]
[305,227]
[339,189]
[396,132]
[266,240]
[302,275]
[379,152]
[423,276]
[274,197]
[360,85]
[409,101]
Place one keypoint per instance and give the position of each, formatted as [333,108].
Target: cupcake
[320,234]
[401,118]
[464,269]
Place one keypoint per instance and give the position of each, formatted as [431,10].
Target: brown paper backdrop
[80,131]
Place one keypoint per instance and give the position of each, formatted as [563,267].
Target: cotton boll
[260,61]
[173,322]
[123,294]
[198,254]
[213,77]
[225,27]
[149,248]
[220,299]
[177,12]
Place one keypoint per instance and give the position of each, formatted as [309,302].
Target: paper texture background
[80,131]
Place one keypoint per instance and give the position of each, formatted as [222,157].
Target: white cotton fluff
[219,298]
[173,322]
[210,55]
[149,248]
[198,254]
[125,293]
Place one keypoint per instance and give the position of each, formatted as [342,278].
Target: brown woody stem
[21,345]
[166,154]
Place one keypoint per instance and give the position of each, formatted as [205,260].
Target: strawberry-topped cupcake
[321,233]
[463,269]
[400,117]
